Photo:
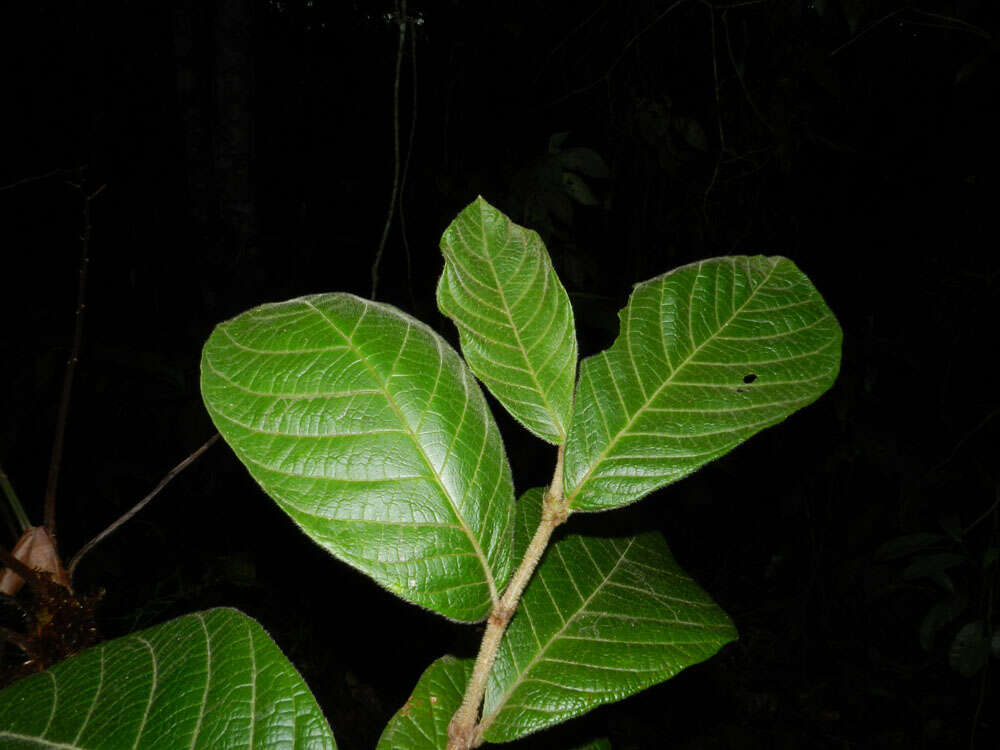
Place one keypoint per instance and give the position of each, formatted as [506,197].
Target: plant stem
[29,575]
[402,20]
[67,388]
[15,504]
[138,506]
[464,731]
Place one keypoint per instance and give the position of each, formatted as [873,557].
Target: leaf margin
[479,355]
[576,478]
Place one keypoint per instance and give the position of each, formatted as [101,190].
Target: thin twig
[943,27]
[138,506]
[957,24]
[984,516]
[621,56]
[739,76]
[401,12]
[15,504]
[67,387]
[865,30]
[406,169]
[542,65]
[963,440]
[45,176]
[718,115]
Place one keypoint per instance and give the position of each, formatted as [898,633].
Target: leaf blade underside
[601,619]
[206,680]
[422,722]
[707,356]
[513,315]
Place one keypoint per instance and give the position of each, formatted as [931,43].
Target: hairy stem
[464,730]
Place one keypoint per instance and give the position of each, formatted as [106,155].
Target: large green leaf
[514,319]
[600,620]
[422,722]
[370,432]
[708,355]
[207,680]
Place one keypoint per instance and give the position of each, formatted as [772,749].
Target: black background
[858,139]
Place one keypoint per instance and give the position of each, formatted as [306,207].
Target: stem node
[465,730]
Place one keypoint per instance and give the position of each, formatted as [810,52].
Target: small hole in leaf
[748,379]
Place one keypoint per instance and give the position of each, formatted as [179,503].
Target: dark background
[247,151]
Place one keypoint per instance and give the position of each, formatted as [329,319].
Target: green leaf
[939,616]
[970,650]
[206,680]
[422,722]
[911,544]
[600,620]
[370,432]
[578,190]
[708,355]
[586,161]
[602,744]
[929,566]
[514,319]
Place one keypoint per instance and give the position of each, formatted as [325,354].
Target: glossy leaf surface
[207,680]
[600,620]
[514,319]
[707,355]
[422,722]
[372,434]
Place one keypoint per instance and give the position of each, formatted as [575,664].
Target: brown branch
[139,505]
[464,730]
[67,388]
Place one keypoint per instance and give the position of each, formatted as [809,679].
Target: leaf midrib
[40,742]
[557,420]
[560,428]
[487,721]
[612,443]
[423,454]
